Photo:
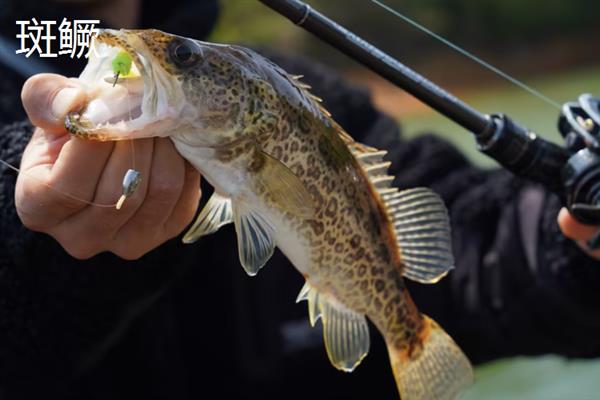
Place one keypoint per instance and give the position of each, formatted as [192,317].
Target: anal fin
[345,332]
[215,214]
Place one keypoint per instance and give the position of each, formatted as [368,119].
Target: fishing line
[69,195]
[130,180]
[469,55]
[130,118]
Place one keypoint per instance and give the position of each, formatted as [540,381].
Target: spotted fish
[288,176]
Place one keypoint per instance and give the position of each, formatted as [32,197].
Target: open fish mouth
[141,103]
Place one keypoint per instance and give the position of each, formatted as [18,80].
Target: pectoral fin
[216,213]
[255,237]
[282,188]
[277,188]
[346,333]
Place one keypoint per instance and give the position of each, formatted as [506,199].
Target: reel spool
[579,124]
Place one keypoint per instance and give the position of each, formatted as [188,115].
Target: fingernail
[64,101]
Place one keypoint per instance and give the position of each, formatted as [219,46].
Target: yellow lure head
[121,64]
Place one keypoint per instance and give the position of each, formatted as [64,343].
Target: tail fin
[440,371]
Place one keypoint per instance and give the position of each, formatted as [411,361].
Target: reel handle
[579,124]
[572,172]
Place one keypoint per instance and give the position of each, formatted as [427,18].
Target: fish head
[176,87]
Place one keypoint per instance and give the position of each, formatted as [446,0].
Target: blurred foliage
[489,23]
[541,378]
[506,98]
[249,21]
[520,105]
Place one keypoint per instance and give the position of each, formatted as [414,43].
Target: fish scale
[288,176]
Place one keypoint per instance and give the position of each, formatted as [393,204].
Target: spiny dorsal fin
[316,98]
[345,332]
[367,156]
[305,89]
[371,161]
[378,168]
[324,111]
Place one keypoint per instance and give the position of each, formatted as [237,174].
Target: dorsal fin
[419,217]
[318,102]
[378,168]
[422,230]
[371,161]
[367,156]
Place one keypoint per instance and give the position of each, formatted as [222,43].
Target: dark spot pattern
[258,109]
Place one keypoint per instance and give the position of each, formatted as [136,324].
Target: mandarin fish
[287,175]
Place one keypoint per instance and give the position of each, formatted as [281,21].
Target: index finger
[574,229]
[47,98]
[56,161]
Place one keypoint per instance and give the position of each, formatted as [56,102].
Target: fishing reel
[579,124]
[572,171]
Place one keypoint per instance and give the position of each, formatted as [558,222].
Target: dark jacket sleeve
[58,314]
[519,286]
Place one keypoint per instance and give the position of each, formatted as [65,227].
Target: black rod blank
[513,146]
[391,69]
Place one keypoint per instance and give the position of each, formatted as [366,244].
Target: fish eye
[182,53]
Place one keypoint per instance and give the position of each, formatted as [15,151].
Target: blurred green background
[551,45]
[547,44]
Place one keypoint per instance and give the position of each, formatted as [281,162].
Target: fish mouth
[142,103]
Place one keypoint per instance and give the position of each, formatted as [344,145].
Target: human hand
[55,164]
[578,232]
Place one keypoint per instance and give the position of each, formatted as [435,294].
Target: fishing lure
[131,181]
[121,65]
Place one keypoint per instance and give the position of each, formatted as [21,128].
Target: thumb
[48,98]
[574,229]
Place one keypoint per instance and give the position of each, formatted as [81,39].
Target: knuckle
[64,199]
[172,230]
[36,96]
[163,190]
[40,95]
[32,87]
[36,198]
[31,222]
[80,252]
[32,211]
[136,241]
[130,253]
[81,244]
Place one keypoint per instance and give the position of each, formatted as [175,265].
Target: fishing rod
[572,171]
